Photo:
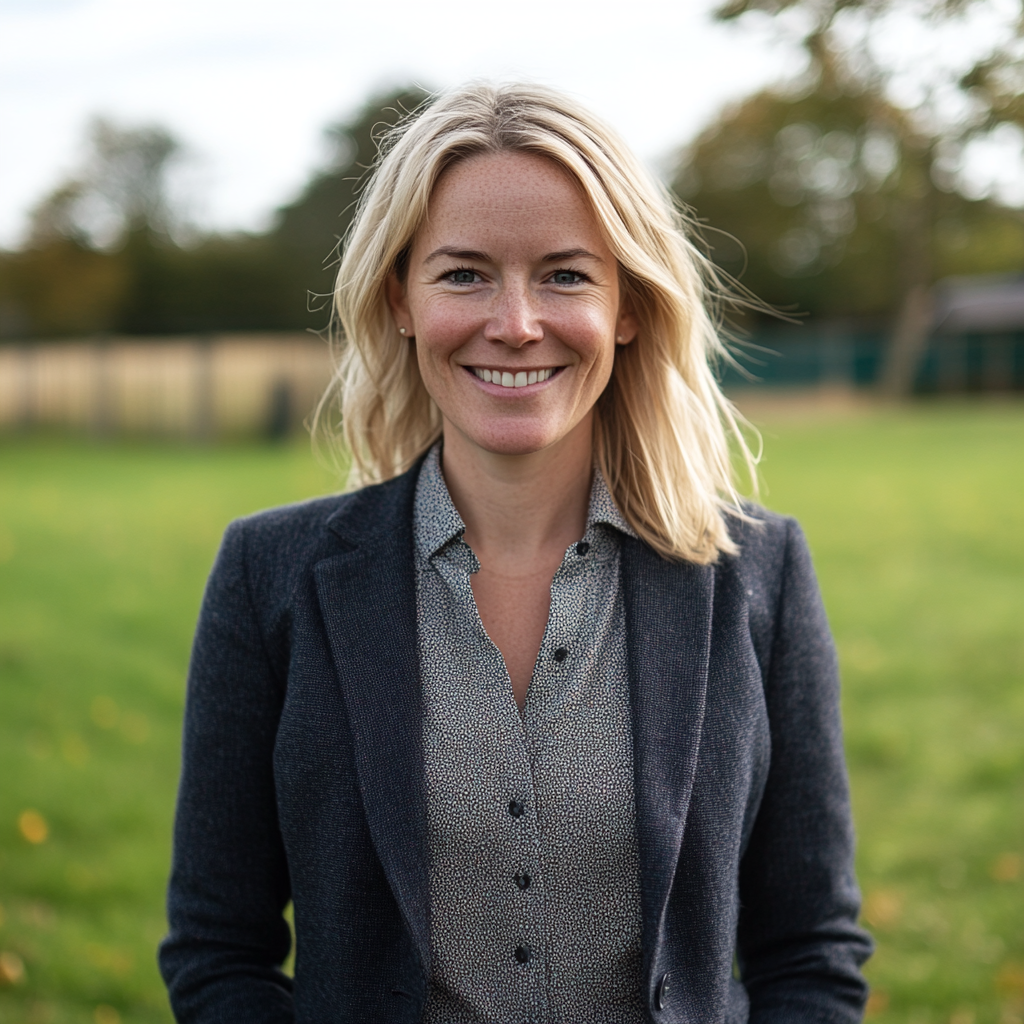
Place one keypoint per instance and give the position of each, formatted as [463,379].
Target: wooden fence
[235,385]
[202,388]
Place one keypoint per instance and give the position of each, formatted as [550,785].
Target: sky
[248,86]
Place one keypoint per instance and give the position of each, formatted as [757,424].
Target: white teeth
[521,379]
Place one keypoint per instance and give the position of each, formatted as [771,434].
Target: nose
[514,320]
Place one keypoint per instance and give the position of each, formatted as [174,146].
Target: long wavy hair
[665,436]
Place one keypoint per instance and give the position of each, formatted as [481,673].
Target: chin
[519,439]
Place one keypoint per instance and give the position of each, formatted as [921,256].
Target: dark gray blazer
[303,780]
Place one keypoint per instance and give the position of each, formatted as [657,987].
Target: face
[513,299]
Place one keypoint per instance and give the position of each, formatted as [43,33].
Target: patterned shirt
[534,871]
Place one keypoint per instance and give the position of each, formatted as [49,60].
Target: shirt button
[561,654]
[522,954]
[522,880]
[516,809]
[582,548]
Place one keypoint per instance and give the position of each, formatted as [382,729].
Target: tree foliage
[816,203]
[849,198]
[107,252]
[121,187]
[308,231]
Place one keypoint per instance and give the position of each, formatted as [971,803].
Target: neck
[520,506]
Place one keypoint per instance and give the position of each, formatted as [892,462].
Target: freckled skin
[511,271]
[516,209]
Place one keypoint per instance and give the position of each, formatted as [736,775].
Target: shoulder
[280,541]
[773,563]
[764,539]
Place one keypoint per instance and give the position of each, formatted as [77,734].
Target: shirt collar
[436,520]
[603,508]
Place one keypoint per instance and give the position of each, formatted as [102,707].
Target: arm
[799,946]
[229,879]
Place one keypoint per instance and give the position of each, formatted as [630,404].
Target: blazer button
[661,993]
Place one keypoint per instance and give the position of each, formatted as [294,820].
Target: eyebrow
[473,254]
[571,254]
[458,254]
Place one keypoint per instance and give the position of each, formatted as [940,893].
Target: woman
[544,726]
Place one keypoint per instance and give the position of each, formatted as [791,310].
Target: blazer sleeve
[229,879]
[799,947]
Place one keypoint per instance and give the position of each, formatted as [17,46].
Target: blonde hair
[662,428]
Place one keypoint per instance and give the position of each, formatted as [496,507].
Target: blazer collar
[368,601]
[367,598]
[668,629]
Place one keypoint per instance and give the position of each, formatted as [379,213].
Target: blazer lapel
[368,602]
[668,628]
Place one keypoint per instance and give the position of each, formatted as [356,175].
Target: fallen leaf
[878,1002]
[1006,867]
[33,827]
[883,908]
[12,969]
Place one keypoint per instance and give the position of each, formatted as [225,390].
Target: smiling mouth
[519,379]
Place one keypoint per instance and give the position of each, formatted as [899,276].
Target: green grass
[916,520]
[104,551]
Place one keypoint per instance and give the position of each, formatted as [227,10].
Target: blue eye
[462,276]
[566,277]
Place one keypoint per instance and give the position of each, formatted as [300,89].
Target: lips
[508,379]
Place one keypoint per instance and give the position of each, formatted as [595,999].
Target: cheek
[591,320]
[438,338]
[442,328]
[591,332]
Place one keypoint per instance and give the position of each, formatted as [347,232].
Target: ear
[627,326]
[399,303]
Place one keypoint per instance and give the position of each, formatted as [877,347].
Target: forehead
[499,193]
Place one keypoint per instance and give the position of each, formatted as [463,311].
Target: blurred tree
[221,283]
[957,107]
[808,198]
[308,231]
[107,249]
[121,188]
[60,288]
[91,240]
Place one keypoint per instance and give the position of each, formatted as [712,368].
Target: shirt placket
[553,675]
[515,810]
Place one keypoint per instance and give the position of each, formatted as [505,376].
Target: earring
[401,330]
[618,337]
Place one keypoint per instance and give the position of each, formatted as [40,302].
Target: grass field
[916,520]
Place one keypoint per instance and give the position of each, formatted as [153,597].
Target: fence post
[902,359]
[28,372]
[997,367]
[836,358]
[103,391]
[203,424]
[952,364]
[279,409]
